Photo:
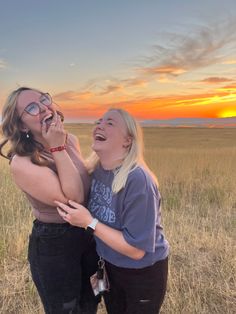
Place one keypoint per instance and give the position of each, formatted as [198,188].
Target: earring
[27,135]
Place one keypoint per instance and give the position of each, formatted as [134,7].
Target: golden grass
[196,169]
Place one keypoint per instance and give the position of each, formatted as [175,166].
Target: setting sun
[228,113]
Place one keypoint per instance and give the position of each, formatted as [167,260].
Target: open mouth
[100,137]
[48,119]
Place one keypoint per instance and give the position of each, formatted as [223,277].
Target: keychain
[100,275]
[99,280]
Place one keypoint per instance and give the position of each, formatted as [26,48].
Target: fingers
[63,214]
[79,218]
[54,119]
[44,129]
[56,123]
[63,210]
[74,204]
[63,207]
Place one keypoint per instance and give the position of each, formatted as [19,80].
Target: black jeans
[62,258]
[136,291]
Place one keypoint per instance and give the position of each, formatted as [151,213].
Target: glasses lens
[46,100]
[33,109]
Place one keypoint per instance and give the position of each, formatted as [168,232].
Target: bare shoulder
[40,182]
[23,168]
[19,163]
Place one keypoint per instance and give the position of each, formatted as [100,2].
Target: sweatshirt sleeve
[141,208]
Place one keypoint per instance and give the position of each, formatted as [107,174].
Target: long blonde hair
[134,156]
[20,143]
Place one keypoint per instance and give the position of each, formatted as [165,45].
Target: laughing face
[34,108]
[110,135]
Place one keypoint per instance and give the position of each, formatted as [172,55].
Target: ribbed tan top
[47,213]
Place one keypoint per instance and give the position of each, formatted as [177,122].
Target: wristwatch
[91,227]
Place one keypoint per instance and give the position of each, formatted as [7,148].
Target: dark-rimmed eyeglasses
[34,108]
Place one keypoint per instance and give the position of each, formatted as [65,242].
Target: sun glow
[227,113]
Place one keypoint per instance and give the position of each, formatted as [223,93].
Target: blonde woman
[124,215]
[46,164]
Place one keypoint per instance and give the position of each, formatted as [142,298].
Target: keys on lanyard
[100,275]
[100,270]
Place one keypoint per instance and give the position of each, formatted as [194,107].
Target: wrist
[57,148]
[92,225]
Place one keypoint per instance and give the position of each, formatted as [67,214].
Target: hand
[75,214]
[54,134]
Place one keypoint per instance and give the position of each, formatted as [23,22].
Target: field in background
[196,169]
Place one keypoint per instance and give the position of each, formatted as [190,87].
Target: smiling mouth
[47,120]
[100,137]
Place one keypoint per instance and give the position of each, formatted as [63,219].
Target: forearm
[80,216]
[69,177]
[115,239]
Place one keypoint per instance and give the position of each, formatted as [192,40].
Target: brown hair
[21,143]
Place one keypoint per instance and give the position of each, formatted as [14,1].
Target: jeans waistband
[43,229]
[37,222]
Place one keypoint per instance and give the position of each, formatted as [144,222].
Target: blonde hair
[134,156]
[20,144]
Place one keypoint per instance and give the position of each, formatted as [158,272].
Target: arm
[38,181]
[68,173]
[81,217]
[140,208]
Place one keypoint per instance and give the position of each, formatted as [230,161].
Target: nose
[99,127]
[43,108]
[101,124]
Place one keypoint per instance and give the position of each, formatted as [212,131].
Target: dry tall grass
[196,169]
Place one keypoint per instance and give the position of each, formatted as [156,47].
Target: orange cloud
[117,85]
[228,88]
[112,88]
[171,70]
[214,80]
[72,96]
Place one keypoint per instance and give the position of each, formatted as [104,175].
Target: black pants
[62,258]
[136,291]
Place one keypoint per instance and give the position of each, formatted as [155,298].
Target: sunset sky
[159,59]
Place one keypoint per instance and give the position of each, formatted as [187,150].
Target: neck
[42,141]
[110,163]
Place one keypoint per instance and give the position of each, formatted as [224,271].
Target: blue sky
[100,52]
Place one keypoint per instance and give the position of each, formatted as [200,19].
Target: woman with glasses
[46,165]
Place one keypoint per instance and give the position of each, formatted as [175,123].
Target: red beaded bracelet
[57,149]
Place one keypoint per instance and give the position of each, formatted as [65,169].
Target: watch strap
[92,226]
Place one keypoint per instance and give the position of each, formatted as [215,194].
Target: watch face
[90,230]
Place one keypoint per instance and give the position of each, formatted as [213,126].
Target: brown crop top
[45,212]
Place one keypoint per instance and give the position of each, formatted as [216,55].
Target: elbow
[76,197]
[138,254]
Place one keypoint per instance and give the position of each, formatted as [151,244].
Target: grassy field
[196,169]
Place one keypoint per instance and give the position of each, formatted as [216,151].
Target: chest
[104,204]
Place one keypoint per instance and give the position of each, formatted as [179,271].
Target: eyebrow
[109,119]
